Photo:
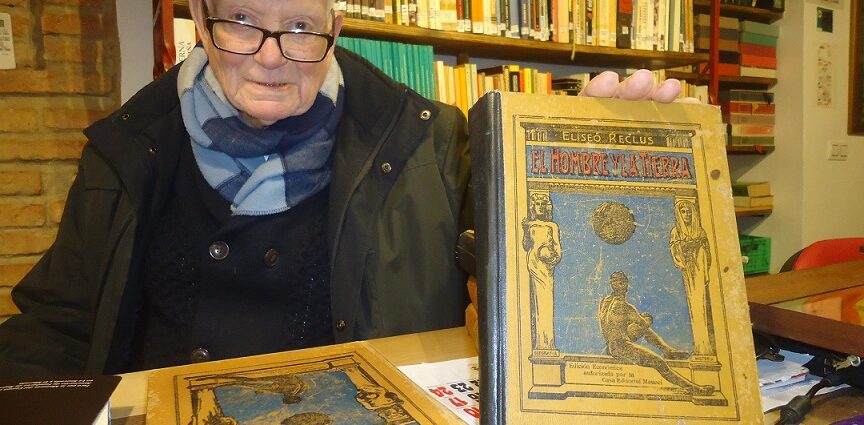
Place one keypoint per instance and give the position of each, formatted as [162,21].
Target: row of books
[749,115]
[410,64]
[752,194]
[665,25]
[462,85]
[459,85]
[746,48]
[761,4]
[758,49]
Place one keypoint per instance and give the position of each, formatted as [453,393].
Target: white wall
[814,198]
[134,25]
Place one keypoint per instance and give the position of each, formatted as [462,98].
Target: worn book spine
[624,24]
[485,124]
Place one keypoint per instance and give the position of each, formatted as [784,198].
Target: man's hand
[639,86]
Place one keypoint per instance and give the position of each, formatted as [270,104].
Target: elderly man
[271,193]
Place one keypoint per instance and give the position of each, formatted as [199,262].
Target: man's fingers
[603,85]
[638,86]
[667,92]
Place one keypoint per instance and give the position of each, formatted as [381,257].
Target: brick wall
[67,76]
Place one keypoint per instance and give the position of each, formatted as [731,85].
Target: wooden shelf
[741,12]
[750,149]
[507,49]
[751,212]
[728,82]
[514,49]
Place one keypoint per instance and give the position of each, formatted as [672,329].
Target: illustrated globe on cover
[613,222]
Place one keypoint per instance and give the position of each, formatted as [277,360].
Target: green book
[760,39]
[429,71]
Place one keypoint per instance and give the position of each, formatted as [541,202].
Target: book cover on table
[339,384]
[610,279]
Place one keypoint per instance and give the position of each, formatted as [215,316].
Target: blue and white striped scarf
[259,170]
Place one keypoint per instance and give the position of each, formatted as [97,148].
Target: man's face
[267,87]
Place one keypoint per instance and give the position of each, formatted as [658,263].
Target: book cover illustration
[346,383]
[613,289]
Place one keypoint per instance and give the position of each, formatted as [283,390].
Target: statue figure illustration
[622,325]
[691,253]
[542,245]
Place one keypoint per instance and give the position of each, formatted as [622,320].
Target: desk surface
[129,401]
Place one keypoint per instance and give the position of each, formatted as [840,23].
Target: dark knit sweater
[231,285]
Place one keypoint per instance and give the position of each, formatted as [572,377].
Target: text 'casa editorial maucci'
[611,282]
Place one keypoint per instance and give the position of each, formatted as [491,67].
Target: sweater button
[386,168]
[340,325]
[271,257]
[199,355]
[425,115]
[218,250]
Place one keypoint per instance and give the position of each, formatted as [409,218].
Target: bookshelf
[752,212]
[726,81]
[741,12]
[750,150]
[466,45]
[766,16]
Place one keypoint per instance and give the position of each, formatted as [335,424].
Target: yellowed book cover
[339,384]
[610,282]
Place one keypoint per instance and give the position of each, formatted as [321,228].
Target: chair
[825,252]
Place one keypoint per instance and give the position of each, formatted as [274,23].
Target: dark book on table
[68,401]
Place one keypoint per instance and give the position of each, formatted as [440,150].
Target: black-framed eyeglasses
[244,39]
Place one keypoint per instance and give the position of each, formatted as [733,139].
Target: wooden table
[129,401]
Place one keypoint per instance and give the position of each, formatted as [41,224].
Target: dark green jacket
[396,207]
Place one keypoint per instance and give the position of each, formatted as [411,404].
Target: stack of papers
[781,381]
[787,372]
[453,383]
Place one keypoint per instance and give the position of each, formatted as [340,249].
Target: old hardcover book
[609,272]
[339,384]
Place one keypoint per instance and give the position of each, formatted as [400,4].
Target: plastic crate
[755,253]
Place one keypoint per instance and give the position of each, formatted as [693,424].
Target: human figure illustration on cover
[542,244]
[622,326]
[314,395]
[691,253]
